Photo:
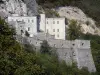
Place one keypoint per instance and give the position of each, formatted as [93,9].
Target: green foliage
[14,60]
[74,30]
[56,2]
[90,7]
[51,13]
[45,48]
[95,47]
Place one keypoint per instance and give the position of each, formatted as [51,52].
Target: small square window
[28,28]
[47,31]
[57,35]
[82,44]
[22,20]
[57,22]
[54,45]
[53,22]
[28,20]
[57,30]
[53,30]
[47,22]
[32,20]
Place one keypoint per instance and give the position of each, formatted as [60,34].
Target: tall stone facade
[53,26]
[24,24]
[78,51]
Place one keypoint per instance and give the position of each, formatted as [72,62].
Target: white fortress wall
[84,55]
[71,51]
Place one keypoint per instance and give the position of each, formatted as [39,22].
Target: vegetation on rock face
[18,59]
[95,42]
[95,47]
[45,48]
[90,7]
[14,60]
[51,13]
[74,30]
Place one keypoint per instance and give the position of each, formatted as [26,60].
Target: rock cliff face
[32,5]
[88,24]
[18,8]
[29,8]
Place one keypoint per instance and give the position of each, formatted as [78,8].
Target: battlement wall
[78,51]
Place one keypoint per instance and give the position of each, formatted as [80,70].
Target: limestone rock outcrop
[88,24]
[18,8]
[32,6]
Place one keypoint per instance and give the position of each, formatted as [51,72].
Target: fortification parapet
[78,51]
[83,44]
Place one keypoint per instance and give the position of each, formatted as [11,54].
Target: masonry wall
[78,51]
[30,24]
[53,26]
[84,55]
[56,27]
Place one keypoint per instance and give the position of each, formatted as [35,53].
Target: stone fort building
[53,26]
[41,28]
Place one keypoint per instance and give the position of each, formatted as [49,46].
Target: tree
[14,60]
[45,48]
[74,30]
[17,60]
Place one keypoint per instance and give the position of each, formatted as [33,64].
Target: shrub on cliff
[74,30]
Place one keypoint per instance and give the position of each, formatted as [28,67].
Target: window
[53,22]
[28,28]
[73,44]
[47,22]
[57,22]
[62,45]
[32,20]
[58,35]
[53,30]
[82,44]
[54,45]
[22,20]
[28,20]
[57,30]
[47,31]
